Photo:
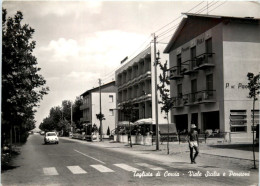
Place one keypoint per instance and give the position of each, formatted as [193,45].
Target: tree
[77,113]
[108,131]
[100,117]
[254,87]
[166,100]
[128,111]
[22,86]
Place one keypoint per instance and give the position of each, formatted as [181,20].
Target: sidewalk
[234,150]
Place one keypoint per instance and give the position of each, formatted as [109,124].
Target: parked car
[51,137]
[42,132]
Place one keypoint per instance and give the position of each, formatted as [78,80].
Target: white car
[51,137]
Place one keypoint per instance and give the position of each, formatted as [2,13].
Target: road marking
[150,166]
[127,167]
[50,171]
[102,168]
[76,170]
[90,157]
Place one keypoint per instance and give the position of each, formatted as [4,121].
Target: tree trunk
[254,132]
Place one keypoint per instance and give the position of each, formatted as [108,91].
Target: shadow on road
[246,147]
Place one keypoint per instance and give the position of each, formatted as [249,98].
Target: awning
[147,121]
[163,128]
[124,123]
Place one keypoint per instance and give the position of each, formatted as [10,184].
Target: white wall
[105,105]
[239,59]
[163,58]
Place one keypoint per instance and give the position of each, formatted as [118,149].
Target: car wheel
[57,143]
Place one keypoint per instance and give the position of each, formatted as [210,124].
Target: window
[111,112]
[179,90]
[238,121]
[209,45]
[111,99]
[209,82]
[193,89]
[193,56]
[179,64]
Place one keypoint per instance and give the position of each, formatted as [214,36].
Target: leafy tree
[77,113]
[130,113]
[166,100]
[254,90]
[100,117]
[22,86]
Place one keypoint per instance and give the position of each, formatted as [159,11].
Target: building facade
[135,84]
[210,57]
[91,106]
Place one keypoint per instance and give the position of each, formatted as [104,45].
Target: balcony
[84,106]
[178,102]
[205,96]
[175,73]
[200,97]
[204,61]
[188,67]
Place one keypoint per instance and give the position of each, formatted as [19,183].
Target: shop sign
[237,86]
[200,41]
[185,49]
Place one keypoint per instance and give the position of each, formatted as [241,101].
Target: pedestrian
[193,141]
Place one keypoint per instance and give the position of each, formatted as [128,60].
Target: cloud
[63,8]
[100,52]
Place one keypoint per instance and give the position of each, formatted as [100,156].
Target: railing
[204,60]
[204,96]
[177,101]
[175,72]
[188,66]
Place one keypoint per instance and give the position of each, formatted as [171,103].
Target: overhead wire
[206,7]
[178,17]
[199,11]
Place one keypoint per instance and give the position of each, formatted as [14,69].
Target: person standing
[193,141]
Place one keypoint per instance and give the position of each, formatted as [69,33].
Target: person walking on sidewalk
[193,141]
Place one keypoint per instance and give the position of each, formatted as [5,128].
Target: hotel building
[210,57]
[135,84]
[91,106]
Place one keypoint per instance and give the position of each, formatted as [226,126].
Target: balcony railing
[84,106]
[175,73]
[205,96]
[177,102]
[204,61]
[188,67]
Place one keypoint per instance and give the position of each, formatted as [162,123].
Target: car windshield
[51,134]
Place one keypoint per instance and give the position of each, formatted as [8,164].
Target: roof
[216,17]
[97,88]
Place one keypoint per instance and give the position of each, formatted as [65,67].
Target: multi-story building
[91,106]
[135,84]
[210,57]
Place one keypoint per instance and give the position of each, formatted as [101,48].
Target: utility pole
[100,111]
[71,114]
[156,96]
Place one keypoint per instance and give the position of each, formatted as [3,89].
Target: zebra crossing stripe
[127,167]
[150,166]
[102,168]
[76,170]
[50,171]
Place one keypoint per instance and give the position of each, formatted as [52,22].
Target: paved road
[73,163]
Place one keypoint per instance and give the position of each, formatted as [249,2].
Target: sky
[78,42]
